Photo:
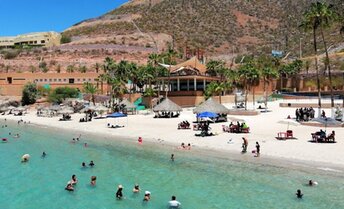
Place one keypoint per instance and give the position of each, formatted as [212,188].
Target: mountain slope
[218,26]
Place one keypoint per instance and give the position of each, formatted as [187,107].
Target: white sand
[263,128]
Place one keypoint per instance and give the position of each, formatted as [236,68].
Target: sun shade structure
[211,106]
[116,115]
[128,106]
[207,115]
[167,106]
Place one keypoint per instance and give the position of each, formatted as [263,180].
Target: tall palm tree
[327,17]
[170,55]
[311,21]
[248,74]
[90,88]
[215,88]
[268,73]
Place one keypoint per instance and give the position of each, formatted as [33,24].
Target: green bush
[10,54]
[65,39]
[59,94]
[30,93]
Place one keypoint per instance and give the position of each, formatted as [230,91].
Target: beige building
[47,39]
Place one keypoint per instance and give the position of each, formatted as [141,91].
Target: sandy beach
[263,128]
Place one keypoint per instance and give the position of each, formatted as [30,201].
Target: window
[42,41]
[55,79]
[83,79]
[40,80]
[71,80]
[89,79]
[9,80]
[50,79]
[78,79]
[59,79]
[64,80]
[45,80]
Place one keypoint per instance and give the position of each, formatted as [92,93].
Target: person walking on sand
[244,145]
[257,149]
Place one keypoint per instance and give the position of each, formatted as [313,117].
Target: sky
[24,16]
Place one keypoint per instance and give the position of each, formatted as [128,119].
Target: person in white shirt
[174,203]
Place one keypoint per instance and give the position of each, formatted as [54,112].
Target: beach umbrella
[55,107]
[20,108]
[3,109]
[236,119]
[66,111]
[117,115]
[11,107]
[289,122]
[207,115]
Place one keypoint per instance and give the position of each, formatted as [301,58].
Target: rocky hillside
[217,26]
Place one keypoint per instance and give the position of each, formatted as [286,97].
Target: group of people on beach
[245,145]
[304,114]
[185,147]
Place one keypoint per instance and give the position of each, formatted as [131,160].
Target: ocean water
[198,182]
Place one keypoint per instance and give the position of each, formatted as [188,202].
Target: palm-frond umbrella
[289,122]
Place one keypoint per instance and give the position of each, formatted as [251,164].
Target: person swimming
[74,180]
[119,193]
[91,163]
[299,194]
[136,188]
[312,183]
[93,180]
[173,203]
[83,164]
[69,187]
[44,154]
[147,196]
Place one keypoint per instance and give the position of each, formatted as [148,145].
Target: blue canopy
[116,115]
[207,115]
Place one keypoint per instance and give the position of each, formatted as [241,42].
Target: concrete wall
[53,79]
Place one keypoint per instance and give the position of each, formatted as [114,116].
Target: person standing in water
[244,145]
[119,193]
[299,194]
[172,157]
[257,149]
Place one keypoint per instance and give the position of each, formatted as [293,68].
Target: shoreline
[202,152]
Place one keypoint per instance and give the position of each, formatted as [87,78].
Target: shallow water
[199,183]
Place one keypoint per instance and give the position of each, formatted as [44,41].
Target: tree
[268,72]
[59,94]
[70,68]
[326,17]
[90,88]
[215,88]
[248,74]
[32,69]
[313,19]
[82,69]
[149,92]
[170,55]
[97,66]
[30,93]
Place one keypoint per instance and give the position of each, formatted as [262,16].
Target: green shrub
[59,94]
[30,93]
[65,39]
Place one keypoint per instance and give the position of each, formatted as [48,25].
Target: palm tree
[97,66]
[268,73]
[70,68]
[170,54]
[248,74]
[90,88]
[327,17]
[311,22]
[215,88]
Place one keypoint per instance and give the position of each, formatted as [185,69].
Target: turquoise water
[198,183]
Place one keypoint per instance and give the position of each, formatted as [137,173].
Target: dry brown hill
[218,26]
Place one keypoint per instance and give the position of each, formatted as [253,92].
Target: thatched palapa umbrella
[128,106]
[211,106]
[168,106]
